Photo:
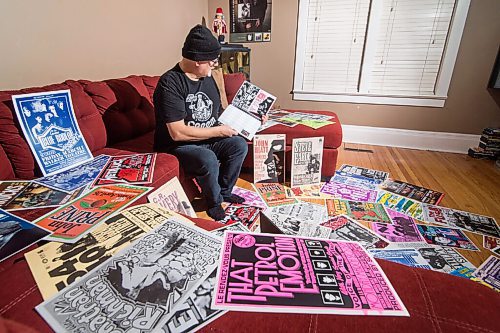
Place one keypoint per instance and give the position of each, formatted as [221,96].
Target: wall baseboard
[422,140]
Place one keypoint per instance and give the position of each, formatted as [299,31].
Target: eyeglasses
[210,62]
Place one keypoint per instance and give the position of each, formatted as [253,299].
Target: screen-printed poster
[250,21]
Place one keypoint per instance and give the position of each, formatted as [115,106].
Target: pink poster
[402,229]
[282,273]
[349,192]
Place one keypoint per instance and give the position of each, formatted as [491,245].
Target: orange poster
[73,220]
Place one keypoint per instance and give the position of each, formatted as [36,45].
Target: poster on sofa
[402,230]
[56,265]
[358,210]
[17,234]
[269,158]
[134,169]
[33,195]
[171,196]
[444,236]
[72,221]
[76,177]
[49,125]
[310,275]
[411,191]
[479,224]
[145,280]
[307,158]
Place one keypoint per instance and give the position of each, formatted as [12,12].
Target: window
[377,51]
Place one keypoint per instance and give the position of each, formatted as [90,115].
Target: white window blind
[335,41]
[410,44]
[377,51]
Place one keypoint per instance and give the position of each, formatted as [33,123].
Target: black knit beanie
[201,45]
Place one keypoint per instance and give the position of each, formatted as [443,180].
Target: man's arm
[179,131]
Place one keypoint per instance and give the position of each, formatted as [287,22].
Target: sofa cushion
[6,171]
[150,82]
[232,83]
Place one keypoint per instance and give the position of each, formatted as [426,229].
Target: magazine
[246,215]
[289,218]
[307,158]
[76,177]
[443,236]
[358,210]
[409,257]
[411,191]
[252,198]
[374,175]
[489,272]
[273,194]
[51,130]
[479,224]
[171,196]
[72,221]
[401,204]
[145,280]
[342,227]
[56,265]
[402,229]
[245,112]
[310,276]
[348,192]
[127,169]
[444,259]
[269,158]
[20,195]
[17,234]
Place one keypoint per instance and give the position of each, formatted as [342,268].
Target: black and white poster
[250,21]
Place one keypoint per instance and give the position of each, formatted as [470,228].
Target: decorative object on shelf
[235,58]
[250,21]
[219,26]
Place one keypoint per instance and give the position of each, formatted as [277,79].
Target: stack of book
[489,144]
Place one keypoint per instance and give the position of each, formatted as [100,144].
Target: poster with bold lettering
[281,273]
[358,210]
[50,127]
[351,170]
[444,259]
[269,158]
[171,196]
[138,289]
[307,158]
[402,229]
[348,192]
[489,273]
[401,204]
[128,169]
[73,220]
[411,191]
[252,198]
[246,215]
[443,236]
[56,265]
[273,194]
[409,257]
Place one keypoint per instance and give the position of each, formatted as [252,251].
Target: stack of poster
[72,221]
[17,234]
[50,127]
[245,112]
[311,276]
[147,279]
[171,196]
[19,195]
[76,177]
[307,157]
[127,169]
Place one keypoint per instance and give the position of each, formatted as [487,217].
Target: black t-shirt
[177,97]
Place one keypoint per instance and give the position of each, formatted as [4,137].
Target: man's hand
[264,119]
[226,131]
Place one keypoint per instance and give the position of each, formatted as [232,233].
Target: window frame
[442,83]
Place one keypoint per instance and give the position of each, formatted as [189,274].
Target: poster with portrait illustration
[50,127]
[250,21]
[307,157]
[269,158]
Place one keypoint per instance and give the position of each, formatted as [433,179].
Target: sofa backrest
[107,112]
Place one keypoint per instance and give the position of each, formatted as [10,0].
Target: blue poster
[49,125]
[409,257]
[77,177]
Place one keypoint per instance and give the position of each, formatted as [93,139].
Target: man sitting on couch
[187,106]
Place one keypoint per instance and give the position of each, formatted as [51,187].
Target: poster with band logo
[307,157]
[250,21]
[50,127]
[128,169]
[280,273]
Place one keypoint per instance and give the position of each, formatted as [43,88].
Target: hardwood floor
[469,184]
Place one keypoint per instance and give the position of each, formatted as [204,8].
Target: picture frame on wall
[495,74]
[250,21]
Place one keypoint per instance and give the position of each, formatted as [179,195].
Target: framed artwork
[250,21]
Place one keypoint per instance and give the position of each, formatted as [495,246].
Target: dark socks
[216,212]
[234,198]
